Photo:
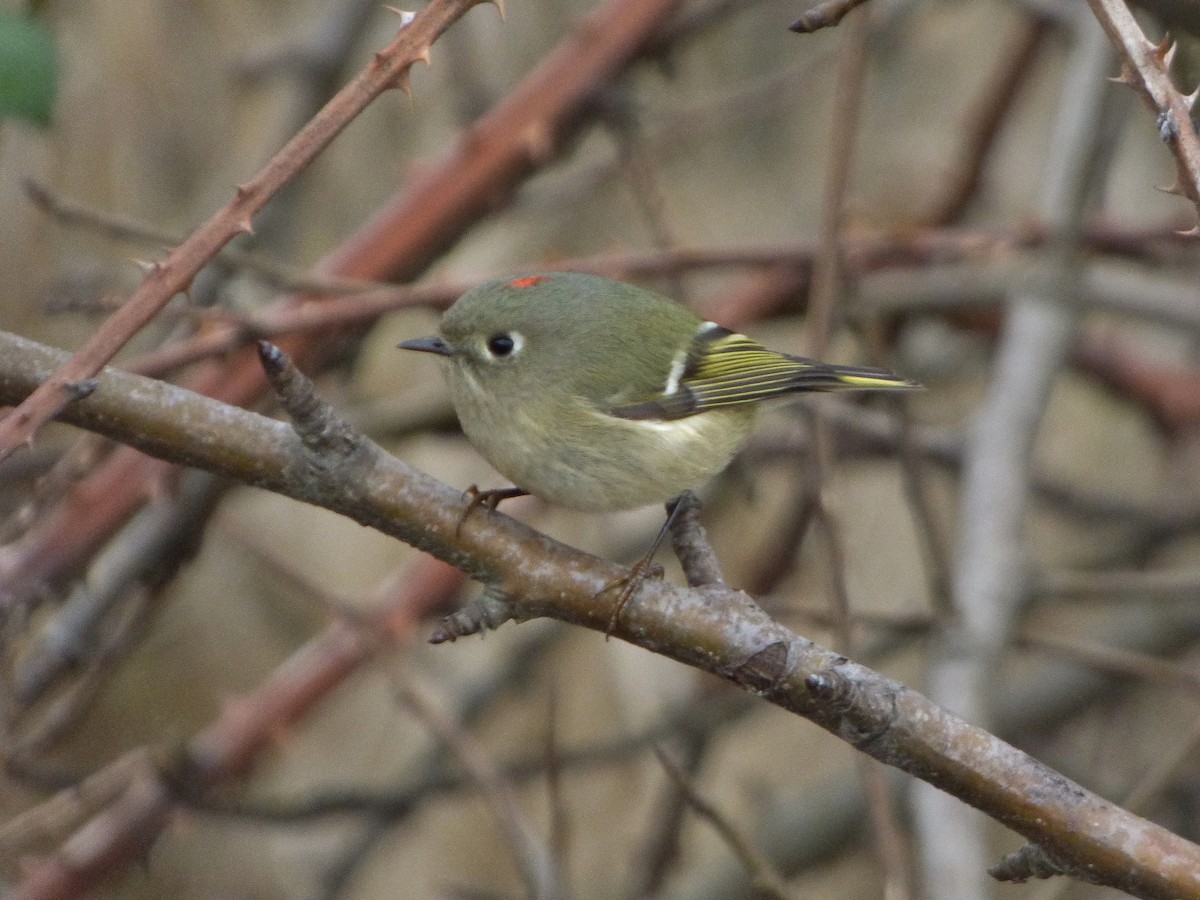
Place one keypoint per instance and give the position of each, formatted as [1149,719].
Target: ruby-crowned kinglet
[597,395]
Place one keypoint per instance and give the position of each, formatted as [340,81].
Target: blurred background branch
[137,599]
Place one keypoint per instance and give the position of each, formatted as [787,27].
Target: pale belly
[605,464]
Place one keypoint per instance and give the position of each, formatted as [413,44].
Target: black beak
[428,345]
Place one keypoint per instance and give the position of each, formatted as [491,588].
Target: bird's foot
[627,586]
[489,499]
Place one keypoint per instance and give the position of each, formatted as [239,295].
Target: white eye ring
[504,344]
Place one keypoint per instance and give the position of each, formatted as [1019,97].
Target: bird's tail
[815,376]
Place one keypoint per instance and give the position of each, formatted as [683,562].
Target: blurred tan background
[165,106]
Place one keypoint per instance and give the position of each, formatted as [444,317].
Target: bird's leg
[490,499]
[644,568]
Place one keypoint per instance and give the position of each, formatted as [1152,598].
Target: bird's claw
[489,499]
[627,587]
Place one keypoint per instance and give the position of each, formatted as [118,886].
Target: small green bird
[600,396]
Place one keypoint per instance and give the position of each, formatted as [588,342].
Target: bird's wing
[724,368]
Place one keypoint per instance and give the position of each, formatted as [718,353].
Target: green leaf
[28,69]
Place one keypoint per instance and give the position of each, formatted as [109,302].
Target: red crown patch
[528,281]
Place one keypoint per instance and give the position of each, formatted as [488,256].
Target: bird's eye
[501,344]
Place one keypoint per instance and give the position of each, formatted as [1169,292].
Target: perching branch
[713,628]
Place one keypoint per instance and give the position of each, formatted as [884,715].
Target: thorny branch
[1145,69]
[163,280]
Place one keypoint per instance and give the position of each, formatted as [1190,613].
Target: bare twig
[1168,765]
[934,545]
[47,824]
[704,715]
[1156,586]
[77,214]
[648,194]
[992,557]
[660,848]
[336,877]
[766,880]
[1112,661]
[907,273]
[159,542]
[560,823]
[163,280]
[537,868]
[824,15]
[824,294]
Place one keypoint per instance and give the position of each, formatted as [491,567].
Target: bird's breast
[574,455]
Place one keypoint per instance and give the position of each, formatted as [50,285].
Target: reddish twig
[1169,392]
[163,280]
[225,750]
[787,267]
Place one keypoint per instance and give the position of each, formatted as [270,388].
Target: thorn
[1127,76]
[1189,100]
[245,226]
[499,4]
[424,56]
[1163,51]
[405,16]
[242,190]
[1175,189]
[378,58]
[1194,231]
[1169,56]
